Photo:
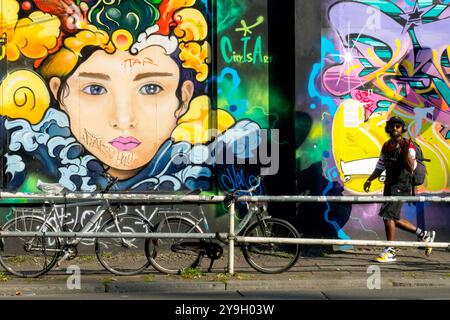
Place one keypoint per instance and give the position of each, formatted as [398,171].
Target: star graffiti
[414,17]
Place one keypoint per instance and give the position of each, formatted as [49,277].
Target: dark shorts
[391,210]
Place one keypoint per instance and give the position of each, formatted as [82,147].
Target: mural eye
[150,89]
[94,90]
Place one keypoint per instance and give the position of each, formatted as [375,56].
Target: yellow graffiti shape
[379,75]
[437,150]
[64,61]
[33,36]
[197,125]
[437,56]
[9,10]
[193,26]
[24,95]
[357,145]
[175,4]
[196,56]
[2,47]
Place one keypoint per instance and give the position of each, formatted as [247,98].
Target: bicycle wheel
[271,257]
[166,255]
[123,256]
[28,257]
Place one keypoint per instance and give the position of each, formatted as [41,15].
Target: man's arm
[380,167]
[409,153]
[375,174]
[409,162]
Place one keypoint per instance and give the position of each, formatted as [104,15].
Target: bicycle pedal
[63,258]
[213,250]
[198,261]
[211,265]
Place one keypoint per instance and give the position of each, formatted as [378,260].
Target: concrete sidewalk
[338,270]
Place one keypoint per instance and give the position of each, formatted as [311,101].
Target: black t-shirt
[394,163]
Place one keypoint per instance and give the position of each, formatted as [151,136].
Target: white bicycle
[32,256]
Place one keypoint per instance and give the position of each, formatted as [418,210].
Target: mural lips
[125,144]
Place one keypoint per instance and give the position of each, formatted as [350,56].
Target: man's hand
[367,185]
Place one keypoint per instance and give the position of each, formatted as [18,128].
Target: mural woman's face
[122,107]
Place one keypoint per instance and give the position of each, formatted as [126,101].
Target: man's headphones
[395,120]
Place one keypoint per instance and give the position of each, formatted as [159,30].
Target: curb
[353,283]
[164,286]
[188,286]
[48,288]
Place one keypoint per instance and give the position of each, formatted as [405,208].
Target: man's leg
[405,225]
[389,254]
[390,212]
[427,236]
[389,227]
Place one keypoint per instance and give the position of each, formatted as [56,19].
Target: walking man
[398,158]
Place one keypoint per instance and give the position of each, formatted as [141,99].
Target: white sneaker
[429,237]
[387,256]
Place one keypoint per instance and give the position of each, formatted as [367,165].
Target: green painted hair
[134,16]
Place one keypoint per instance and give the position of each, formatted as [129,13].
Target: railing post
[231,236]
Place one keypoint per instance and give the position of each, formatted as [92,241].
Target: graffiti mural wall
[114,88]
[94,90]
[179,95]
[390,59]
[242,73]
[380,59]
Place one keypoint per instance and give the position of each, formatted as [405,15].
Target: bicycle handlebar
[252,188]
[229,197]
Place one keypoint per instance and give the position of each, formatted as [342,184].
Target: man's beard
[395,135]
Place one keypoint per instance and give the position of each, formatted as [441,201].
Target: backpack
[418,176]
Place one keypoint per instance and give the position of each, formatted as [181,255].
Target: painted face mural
[386,58]
[111,109]
[96,88]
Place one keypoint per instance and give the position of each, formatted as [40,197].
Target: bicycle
[171,256]
[36,255]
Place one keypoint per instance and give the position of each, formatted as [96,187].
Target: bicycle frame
[241,225]
[58,225]
[212,249]
[246,220]
[171,213]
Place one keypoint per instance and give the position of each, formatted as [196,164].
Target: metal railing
[232,238]
[351,199]
[346,199]
[111,197]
